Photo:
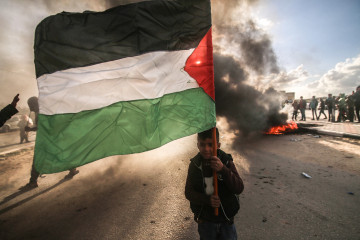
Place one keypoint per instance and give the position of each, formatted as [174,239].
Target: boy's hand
[214,201]
[216,164]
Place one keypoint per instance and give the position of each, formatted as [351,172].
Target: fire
[281,129]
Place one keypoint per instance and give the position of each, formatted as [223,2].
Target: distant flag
[122,81]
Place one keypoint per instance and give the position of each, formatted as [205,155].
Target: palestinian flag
[122,81]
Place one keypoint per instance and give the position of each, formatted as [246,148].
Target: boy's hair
[208,134]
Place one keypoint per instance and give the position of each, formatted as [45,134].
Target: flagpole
[214,144]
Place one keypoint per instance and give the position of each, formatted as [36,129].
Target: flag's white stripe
[147,76]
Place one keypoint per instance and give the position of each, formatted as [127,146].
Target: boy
[199,190]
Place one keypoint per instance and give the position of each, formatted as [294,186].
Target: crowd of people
[348,107]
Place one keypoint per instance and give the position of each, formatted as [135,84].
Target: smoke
[246,109]
[243,56]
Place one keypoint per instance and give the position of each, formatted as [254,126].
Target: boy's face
[205,147]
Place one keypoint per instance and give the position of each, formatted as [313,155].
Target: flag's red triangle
[200,65]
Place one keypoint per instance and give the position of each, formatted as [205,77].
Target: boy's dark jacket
[229,186]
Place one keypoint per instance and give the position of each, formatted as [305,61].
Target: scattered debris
[187,218]
[152,222]
[306,175]
[81,209]
[144,184]
[351,193]
[315,136]
[264,219]
[295,139]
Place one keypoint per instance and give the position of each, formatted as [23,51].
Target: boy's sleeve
[232,178]
[191,194]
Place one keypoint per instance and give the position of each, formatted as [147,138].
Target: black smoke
[249,106]
[246,109]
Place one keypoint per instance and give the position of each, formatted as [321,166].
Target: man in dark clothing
[313,105]
[350,107]
[199,190]
[302,107]
[322,108]
[357,102]
[330,102]
[342,107]
[9,110]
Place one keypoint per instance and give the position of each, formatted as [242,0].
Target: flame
[281,129]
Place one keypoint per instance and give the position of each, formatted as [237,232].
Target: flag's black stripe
[68,40]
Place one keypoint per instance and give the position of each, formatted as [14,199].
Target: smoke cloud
[246,109]
[243,55]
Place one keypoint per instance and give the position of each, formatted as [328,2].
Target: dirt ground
[141,196]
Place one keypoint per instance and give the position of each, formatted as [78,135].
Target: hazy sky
[317,43]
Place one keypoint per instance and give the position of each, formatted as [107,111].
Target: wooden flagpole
[214,145]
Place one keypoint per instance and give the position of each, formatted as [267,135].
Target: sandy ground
[141,196]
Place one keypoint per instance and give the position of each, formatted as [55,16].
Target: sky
[313,47]
[317,44]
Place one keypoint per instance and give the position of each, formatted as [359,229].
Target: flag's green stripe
[70,140]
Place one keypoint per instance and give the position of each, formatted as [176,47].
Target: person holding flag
[128,80]
[199,190]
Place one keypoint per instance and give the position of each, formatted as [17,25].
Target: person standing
[295,112]
[353,97]
[335,103]
[199,190]
[34,174]
[322,108]
[342,108]
[330,102]
[23,123]
[357,102]
[313,106]
[302,107]
[350,107]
